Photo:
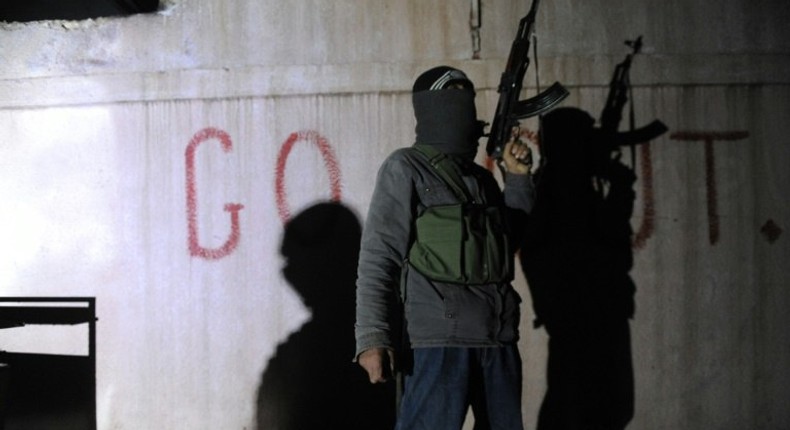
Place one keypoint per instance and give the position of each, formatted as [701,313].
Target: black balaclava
[446,117]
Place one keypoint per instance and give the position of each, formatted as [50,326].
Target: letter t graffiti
[710,170]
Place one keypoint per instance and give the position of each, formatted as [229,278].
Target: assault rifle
[619,89]
[509,108]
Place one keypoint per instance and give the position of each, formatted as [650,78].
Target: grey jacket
[436,313]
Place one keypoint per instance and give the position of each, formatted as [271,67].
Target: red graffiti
[330,162]
[233,208]
[195,249]
[710,172]
[647,226]
[771,231]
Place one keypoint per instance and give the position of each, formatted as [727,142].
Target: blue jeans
[445,382]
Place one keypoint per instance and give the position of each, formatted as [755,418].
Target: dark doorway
[39,10]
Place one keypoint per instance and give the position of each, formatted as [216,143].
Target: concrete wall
[102,195]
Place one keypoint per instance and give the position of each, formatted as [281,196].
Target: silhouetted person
[311,381]
[577,257]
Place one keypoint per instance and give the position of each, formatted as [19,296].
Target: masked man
[435,267]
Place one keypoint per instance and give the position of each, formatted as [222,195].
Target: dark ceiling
[37,10]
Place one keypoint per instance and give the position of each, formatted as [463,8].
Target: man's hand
[379,363]
[516,156]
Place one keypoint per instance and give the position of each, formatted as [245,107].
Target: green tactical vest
[464,243]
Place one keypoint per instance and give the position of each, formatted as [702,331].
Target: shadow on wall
[577,257]
[311,381]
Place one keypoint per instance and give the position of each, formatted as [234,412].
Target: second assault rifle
[619,92]
[509,108]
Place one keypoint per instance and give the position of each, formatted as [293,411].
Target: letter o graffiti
[330,162]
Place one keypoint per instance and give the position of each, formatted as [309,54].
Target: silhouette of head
[321,248]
